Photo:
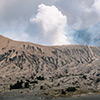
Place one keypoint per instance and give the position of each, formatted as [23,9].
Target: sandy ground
[32,97]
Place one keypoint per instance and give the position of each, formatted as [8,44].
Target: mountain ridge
[49,66]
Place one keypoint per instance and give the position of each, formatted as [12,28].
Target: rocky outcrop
[45,67]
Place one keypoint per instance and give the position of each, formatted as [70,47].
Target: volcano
[49,67]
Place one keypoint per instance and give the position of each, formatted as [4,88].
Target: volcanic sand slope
[49,66]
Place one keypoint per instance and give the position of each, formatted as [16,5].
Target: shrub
[17,85]
[26,85]
[71,89]
[63,92]
[98,80]
[40,78]
[41,87]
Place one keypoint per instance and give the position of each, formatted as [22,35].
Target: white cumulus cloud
[81,13]
[96,6]
[51,23]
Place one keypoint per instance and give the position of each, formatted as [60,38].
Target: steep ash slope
[51,66]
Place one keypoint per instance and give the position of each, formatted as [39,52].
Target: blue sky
[51,22]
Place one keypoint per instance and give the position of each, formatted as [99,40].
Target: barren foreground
[32,97]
